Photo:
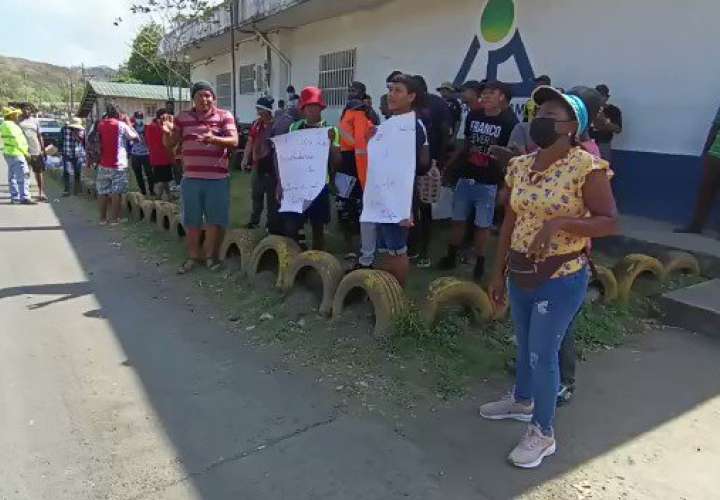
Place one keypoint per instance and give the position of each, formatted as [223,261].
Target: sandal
[213,264]
[187,266]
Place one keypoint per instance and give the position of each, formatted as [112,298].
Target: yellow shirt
[557,193]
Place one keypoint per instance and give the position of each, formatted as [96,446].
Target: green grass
[419,364]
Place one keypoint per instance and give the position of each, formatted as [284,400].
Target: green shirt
[303,124]
[14,141]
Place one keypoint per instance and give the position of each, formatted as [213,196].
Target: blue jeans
[18,178]
[542,318]
[474,198]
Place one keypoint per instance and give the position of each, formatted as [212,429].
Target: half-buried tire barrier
[134,203]
[176,226]
[385,293]
[605,283]
[278,249]
[448,292]
[329,269]
[239,244]
[165,211]
[676,262]
[629,269]
[132,200]
[148,212]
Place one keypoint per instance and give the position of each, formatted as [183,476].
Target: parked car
[50,130]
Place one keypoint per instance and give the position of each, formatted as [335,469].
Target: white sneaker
[507,408]
[532,448]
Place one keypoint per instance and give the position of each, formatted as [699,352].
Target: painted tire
[444,292]
[284,248]
[134,203]
[242,242]
[631,267]
[148,212]
[680,262]
[165,211]
[607,283]
[387,297]
[176,226]
[131,199]
[327,266]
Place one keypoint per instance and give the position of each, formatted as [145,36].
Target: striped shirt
[205,161]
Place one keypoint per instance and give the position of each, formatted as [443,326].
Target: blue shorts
[392,239]
[205,202]
[472,197]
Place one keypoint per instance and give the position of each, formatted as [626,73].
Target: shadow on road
[67,291]
[243,431]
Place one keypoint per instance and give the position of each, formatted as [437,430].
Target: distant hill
[21,79]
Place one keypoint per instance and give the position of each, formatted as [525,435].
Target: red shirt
[114,136]
[159,156]
[205,161]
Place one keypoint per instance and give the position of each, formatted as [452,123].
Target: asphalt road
[112,387]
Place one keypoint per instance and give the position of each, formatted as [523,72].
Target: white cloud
[68,32]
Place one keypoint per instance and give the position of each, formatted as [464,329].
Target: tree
[145,64]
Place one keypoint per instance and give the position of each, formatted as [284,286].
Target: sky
[68,32]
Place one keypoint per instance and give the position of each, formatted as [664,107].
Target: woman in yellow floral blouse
[560,198]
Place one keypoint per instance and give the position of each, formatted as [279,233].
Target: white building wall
[655,55]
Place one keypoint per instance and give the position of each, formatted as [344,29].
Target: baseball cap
[473,85]
[501,86]
[359,87]
[312,95]
[603,89]
[265,103]
[575,103]
[591,98]
[446,86]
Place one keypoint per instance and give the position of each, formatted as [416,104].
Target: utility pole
[233,76]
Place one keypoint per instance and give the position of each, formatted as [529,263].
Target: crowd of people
[543,181]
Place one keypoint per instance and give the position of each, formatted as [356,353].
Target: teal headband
[580,111]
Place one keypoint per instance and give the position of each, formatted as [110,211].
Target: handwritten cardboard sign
[391,171]
[302,163]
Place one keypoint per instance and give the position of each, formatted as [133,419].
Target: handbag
[529,275]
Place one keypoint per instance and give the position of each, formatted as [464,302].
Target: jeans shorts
[473,197]
[392,239]
[111,181]
[205,202]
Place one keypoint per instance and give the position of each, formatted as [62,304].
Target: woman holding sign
[403,98]
[560,197]
[317,212]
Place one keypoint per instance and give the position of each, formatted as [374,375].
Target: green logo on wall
[496,24]
[497,20]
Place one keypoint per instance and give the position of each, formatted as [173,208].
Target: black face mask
[543,133]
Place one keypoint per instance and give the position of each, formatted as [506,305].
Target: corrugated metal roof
[97,88]
[136,90]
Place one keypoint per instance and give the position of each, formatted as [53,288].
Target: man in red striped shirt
[206,134]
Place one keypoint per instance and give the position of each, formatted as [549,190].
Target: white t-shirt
[31,128]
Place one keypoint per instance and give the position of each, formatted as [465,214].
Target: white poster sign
[391,171]
[302,163]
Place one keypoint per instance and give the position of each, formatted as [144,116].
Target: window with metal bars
[337,71]
[223,87]
[246,77]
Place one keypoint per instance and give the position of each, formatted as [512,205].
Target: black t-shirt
[613,114]
[455,108]
[434,115]
[481,132]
